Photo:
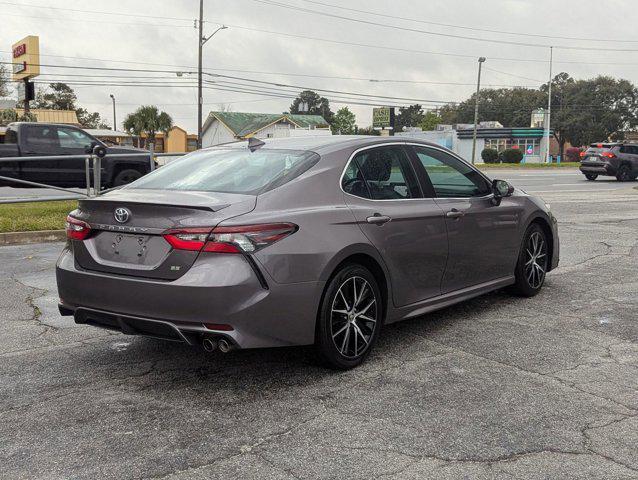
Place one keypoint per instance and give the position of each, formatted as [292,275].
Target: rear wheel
[624,174]
[532,264]
[126,176]
[591,176]
[349,319]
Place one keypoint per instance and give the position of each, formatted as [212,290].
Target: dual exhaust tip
[210,344]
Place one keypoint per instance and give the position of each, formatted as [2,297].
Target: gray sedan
[300,241]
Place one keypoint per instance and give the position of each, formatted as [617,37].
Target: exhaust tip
[209,344]
[224,346]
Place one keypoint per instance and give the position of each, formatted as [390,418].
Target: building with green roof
[224,127]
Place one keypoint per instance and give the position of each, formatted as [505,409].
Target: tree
[10,115]
[430,121]
[344,122]
[149,120]
[411,116]
[317,105]
[59,96]
[4,80]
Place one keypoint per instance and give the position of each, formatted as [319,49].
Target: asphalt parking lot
[497,387]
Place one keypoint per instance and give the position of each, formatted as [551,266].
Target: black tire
[126,176]
[591,176]
[346,329]
[624,173]
[530,278]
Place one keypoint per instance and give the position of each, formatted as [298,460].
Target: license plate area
[130,249]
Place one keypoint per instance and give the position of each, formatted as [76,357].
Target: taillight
[76,229]
[582,154]
[608,155]
[240,239]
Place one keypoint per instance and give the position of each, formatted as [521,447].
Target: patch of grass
[529,165]
[28,217]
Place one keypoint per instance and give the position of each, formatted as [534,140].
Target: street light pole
[201,41]
[476,108]
[114,118]
[549,105]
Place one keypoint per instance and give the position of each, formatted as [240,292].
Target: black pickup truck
[26,139]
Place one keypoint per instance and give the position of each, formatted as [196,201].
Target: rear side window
[631,149]
[230,171]
[43,136]
[382,173]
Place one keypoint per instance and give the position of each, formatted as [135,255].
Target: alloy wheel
[353,317]
[535,260]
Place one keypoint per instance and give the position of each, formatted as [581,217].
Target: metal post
[200,100]
[87,167]
[151,155]
[549,104]
[476,108]
[97,174]
[26,97]
[114,118]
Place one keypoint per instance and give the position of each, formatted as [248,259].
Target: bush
[511,155]
[489,155]
[573,154]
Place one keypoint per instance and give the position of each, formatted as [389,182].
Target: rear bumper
[598,169]
[219,289]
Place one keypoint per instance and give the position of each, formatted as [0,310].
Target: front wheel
[591,176]
[532,264]
[349,319]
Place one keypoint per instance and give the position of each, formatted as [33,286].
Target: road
[495,388]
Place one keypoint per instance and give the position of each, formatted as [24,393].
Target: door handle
[454,213]
[378,219]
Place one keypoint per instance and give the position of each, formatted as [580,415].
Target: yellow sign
[26,58]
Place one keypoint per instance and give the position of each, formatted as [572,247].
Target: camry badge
[122,215]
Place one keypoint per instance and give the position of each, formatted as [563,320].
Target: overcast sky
[133,40]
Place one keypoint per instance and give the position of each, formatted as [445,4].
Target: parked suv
[618,160]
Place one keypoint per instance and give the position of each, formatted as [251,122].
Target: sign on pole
[26,58]
[383,117]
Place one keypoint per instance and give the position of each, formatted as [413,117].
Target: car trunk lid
[131,243]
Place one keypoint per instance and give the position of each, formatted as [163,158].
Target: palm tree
[149,120]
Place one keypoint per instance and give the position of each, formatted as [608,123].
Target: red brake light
[582,154]
[599,145]
[239,239]
[76,229]
[608,155]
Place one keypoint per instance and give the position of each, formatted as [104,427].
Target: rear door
[483,238]
[406,228]
[40,140]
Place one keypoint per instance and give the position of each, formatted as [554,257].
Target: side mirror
[501,189]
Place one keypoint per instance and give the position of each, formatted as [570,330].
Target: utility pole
[201,41]
[549,105]
[476,108]
[114,118]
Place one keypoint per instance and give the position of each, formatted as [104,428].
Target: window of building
[529,146]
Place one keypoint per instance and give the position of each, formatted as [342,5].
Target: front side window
[230,170]
[71,138]
[382,173]
[451,177]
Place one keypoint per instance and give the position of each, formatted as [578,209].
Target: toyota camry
[300,241]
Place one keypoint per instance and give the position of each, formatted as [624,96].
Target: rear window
[600,148]
[230,171]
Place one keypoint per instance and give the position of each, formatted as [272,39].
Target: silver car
[300,241]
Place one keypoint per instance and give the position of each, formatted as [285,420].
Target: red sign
[20,50]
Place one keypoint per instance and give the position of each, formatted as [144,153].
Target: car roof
[326,143]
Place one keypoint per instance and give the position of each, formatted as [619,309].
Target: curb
[24,238]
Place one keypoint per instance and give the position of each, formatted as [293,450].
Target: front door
[483,238]
[74,141]
[407,229]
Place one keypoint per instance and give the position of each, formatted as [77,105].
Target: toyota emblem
[122,215]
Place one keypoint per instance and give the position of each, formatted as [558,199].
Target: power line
[439,34]
[463,27]
[66,20]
